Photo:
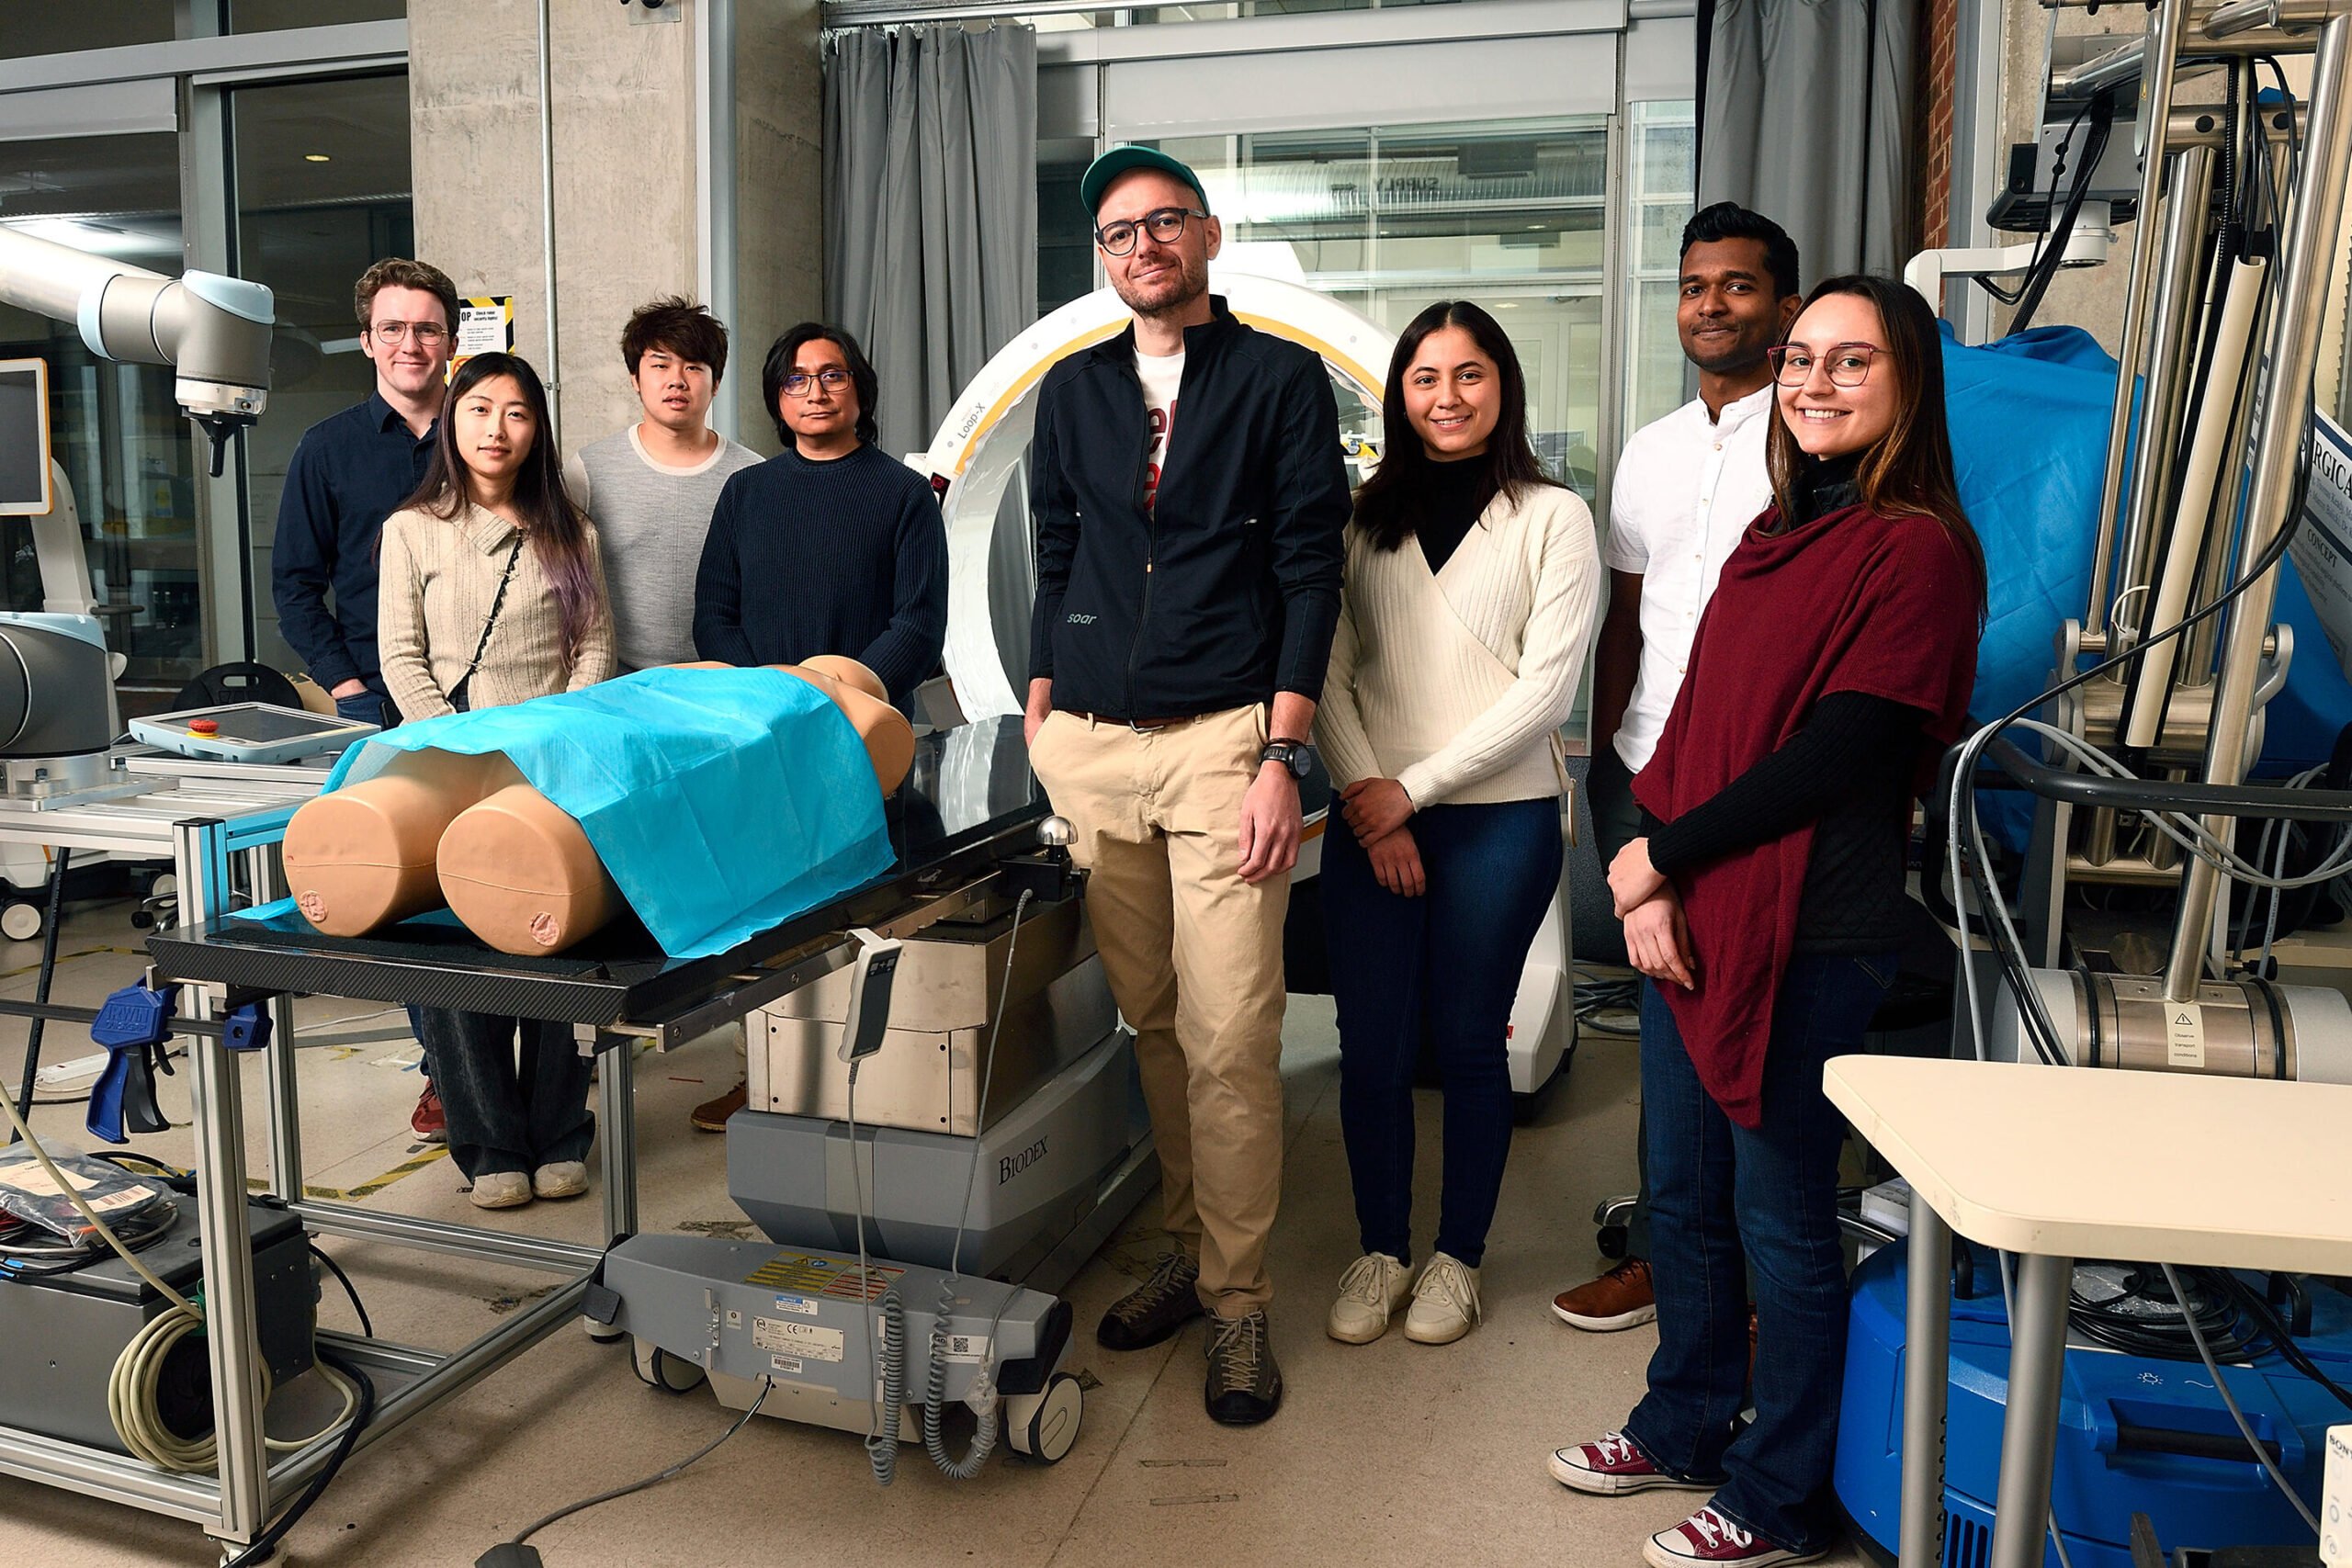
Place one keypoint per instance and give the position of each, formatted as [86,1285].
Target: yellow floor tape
[409,1166]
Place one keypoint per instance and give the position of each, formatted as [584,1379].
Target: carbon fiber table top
[968,798]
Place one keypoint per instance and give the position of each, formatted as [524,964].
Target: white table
[2055,1164]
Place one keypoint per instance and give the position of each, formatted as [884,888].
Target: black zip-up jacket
[1228,590]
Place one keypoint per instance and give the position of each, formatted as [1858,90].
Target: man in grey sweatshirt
[650,488]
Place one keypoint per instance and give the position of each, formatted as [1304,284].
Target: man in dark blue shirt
[832,546]
[350,472]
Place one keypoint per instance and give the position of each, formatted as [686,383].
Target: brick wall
[1940,25]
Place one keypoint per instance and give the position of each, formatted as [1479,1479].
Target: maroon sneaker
[1612,1466]
[428,1122]
[1708,1539]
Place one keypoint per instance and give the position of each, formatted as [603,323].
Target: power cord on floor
[514,1553]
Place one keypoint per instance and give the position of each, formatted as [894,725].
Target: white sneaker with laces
[560,1179]
[500,1190]
[1445,1301]
[1372,1289]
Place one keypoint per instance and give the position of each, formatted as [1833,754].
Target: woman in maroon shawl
[1832,666]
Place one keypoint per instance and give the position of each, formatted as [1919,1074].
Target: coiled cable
[133,1402]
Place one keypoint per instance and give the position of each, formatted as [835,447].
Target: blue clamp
[247,1029]
[132,1025]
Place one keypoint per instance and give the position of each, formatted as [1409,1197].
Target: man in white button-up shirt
[1683,494]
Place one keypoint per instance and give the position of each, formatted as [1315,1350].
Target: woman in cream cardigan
[1472,580]
[491,592]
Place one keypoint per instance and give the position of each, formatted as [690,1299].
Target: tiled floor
[1387,1454]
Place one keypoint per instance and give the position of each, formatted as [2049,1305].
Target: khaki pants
[1194,958]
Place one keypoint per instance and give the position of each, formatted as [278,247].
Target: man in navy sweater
[831,546]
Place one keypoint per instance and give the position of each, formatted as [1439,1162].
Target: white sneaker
[562,1179]
[501,1189]
[1375,1286]
[1445,1301]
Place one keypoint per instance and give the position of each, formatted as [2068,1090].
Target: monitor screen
[23,437]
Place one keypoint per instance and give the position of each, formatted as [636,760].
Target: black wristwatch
[1298,756]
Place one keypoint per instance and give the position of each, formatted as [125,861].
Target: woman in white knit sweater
[1472,580]
[491,592]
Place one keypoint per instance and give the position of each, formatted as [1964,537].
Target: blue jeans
[502,1117]
[1725,1200]
[1453,955]
[370,707]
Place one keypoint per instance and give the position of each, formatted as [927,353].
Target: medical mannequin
[470,831]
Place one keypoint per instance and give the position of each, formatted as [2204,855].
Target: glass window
[36,29]
[1391,221]
[1659,181]
[1065,233]
[323,191]
[273,16]
[128,452]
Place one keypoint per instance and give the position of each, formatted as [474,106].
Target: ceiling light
[314,157]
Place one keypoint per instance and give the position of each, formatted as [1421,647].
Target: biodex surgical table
[965,830]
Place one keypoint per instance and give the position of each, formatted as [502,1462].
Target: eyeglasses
[832,379]
[429,334]
[1848,363]
[1167,226]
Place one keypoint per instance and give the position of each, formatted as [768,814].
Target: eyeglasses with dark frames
[1848,363]
[1166,226]
[429,334]
[834,378]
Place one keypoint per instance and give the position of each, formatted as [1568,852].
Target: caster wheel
[656,1368]
[142,919]
[1043,1426]
[603,1333]
[1612,1241]
[21,922]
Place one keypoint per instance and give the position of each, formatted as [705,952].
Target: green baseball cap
[1119,160]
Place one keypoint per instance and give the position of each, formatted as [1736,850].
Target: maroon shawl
[1853,602]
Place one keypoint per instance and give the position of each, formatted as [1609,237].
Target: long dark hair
[1390,503]
[861,376]
[558,529]
[1909,471]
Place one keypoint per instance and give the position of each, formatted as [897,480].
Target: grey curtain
[931,207]
[1808,120]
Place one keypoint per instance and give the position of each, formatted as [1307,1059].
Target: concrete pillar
[779,221]
[624,131]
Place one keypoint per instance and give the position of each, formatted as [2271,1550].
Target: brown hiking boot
[1622,1298]
[711,1115]
[1244,1385]
[1151,1312]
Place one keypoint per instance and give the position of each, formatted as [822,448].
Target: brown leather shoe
[711,1115]
[1622,1298]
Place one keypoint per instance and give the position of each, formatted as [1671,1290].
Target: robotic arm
[214,331]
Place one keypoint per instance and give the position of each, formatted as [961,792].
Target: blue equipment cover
[2135,1433]
[2029,419]
[723,802]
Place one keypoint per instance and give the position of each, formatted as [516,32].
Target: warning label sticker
[816,1274]
[810,1340]
[2184,1035]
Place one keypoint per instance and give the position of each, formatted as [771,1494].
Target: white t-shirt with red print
[1160,375]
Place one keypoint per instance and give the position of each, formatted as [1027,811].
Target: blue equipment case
[2123,1422]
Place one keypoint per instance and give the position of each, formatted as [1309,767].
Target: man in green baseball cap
[1190,496]
[1119,160]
